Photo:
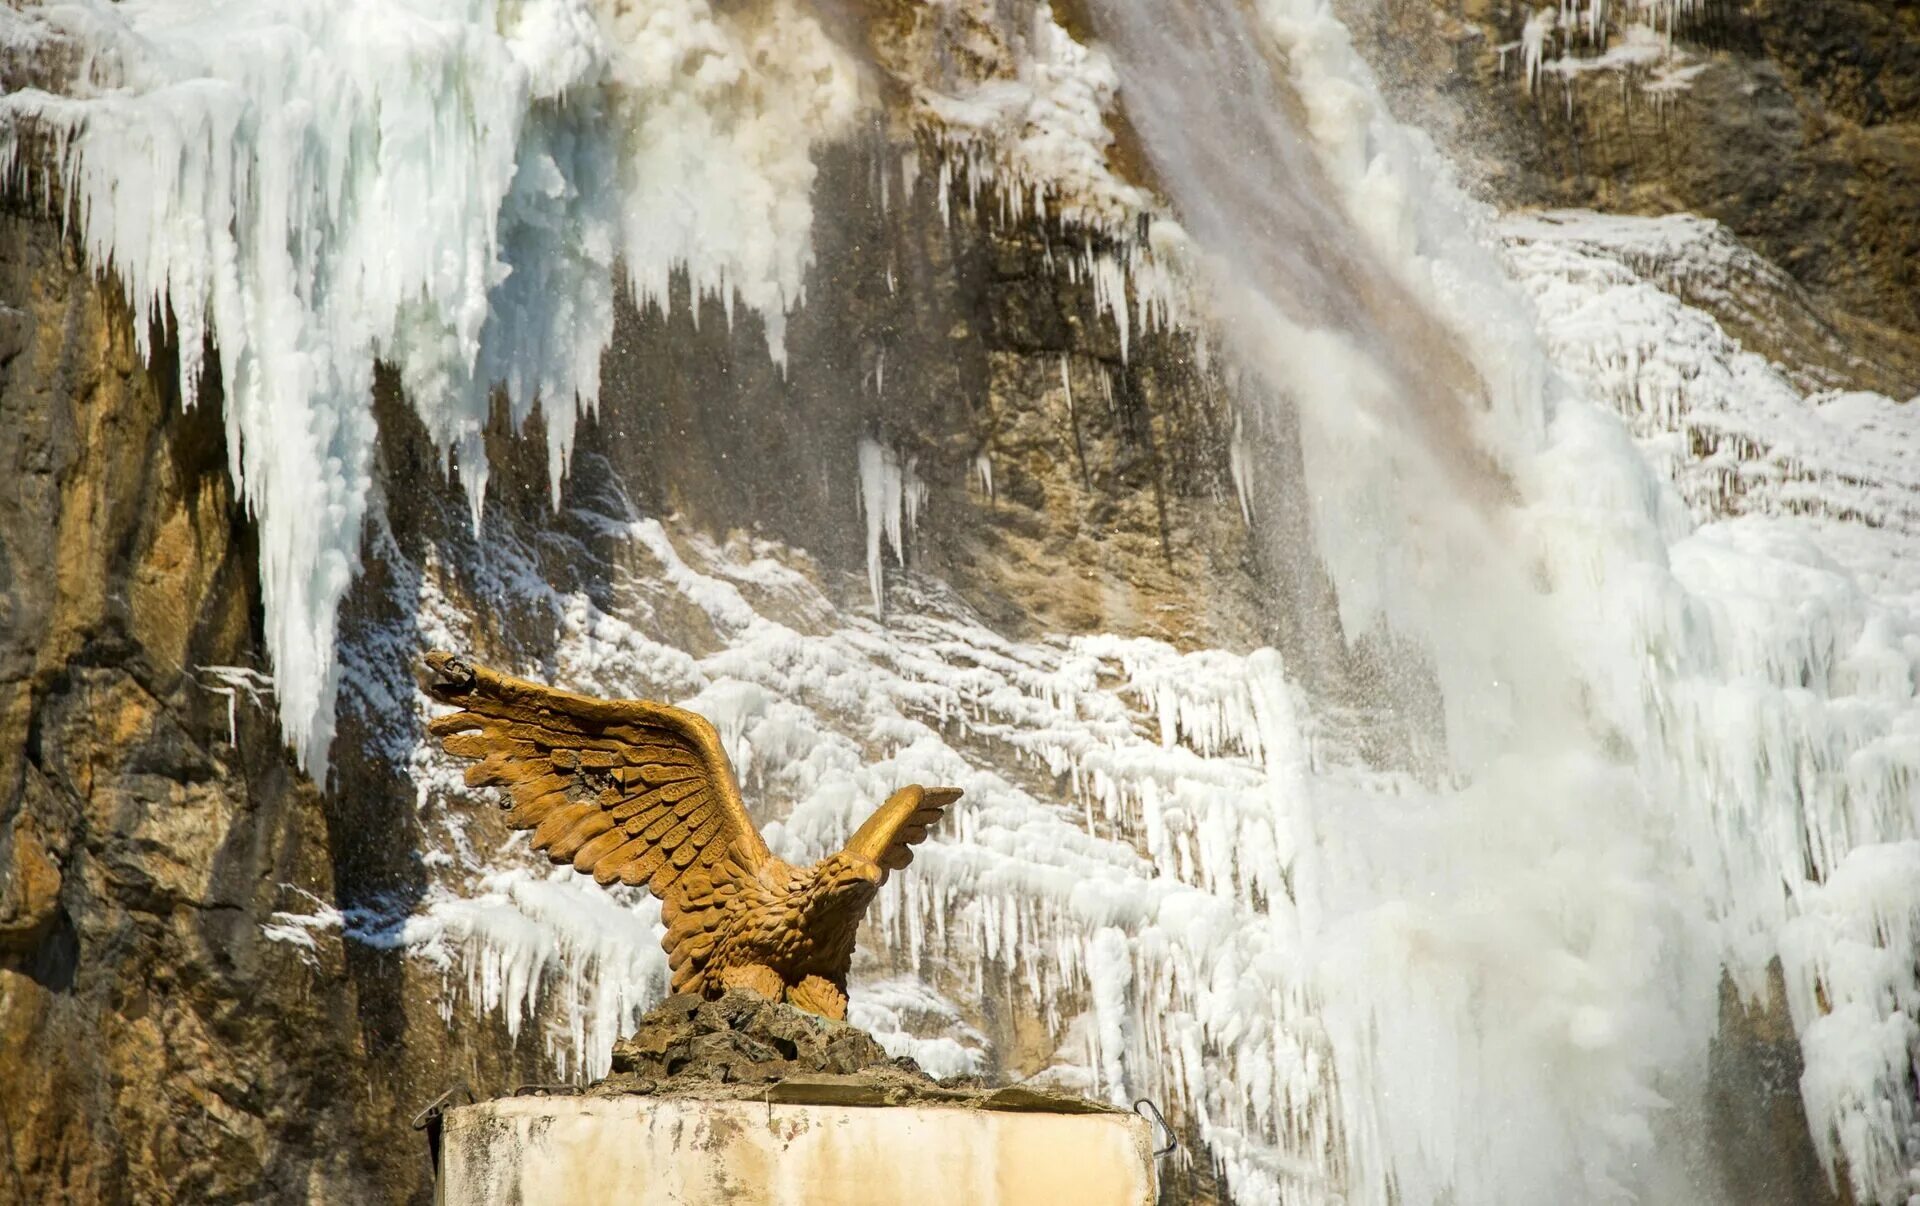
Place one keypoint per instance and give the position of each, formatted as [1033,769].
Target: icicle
[1237,467]
[890,497]
[1533,44]
[983,473]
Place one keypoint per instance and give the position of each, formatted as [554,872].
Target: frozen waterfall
[1644,707]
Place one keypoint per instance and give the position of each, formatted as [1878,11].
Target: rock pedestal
[743,1101]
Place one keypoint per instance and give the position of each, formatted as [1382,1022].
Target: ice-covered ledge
[583,1151]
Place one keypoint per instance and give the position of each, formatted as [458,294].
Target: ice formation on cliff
[442,184]
[1027,121]
[1147,893]
[1781,698]
[1634,41]
[1676,679]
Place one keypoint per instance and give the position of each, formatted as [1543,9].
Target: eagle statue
[643,793]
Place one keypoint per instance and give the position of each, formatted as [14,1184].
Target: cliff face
[156,1040]
[154,1043]
[168,1025]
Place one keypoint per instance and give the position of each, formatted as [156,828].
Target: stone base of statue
[744,1101]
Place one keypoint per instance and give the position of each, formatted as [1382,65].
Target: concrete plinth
[582,1151]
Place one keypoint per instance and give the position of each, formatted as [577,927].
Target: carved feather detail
[643,793]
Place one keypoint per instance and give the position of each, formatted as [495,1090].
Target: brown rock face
[1755,1115]
[952,343]
[155,1044]
[152,1044]
[1800,131]
[32,902]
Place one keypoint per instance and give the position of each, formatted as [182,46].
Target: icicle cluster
[1142,916]
[1029,122]
[1635,40]
[309,185]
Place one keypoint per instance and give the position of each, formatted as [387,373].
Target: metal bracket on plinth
[429,1120]
[1152,1112]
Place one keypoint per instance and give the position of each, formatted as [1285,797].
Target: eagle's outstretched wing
[623,789]
[901,823]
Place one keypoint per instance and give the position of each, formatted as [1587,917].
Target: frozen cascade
[1153,900]
[1786,713]
[898,1011]
[1554,632]
[443,184]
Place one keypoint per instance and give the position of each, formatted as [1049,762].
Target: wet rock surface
[154,1045]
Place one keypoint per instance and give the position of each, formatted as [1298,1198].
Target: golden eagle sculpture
[643,793]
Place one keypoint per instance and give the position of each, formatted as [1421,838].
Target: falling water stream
[1489,943]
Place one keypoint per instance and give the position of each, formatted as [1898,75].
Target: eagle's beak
[445,676]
